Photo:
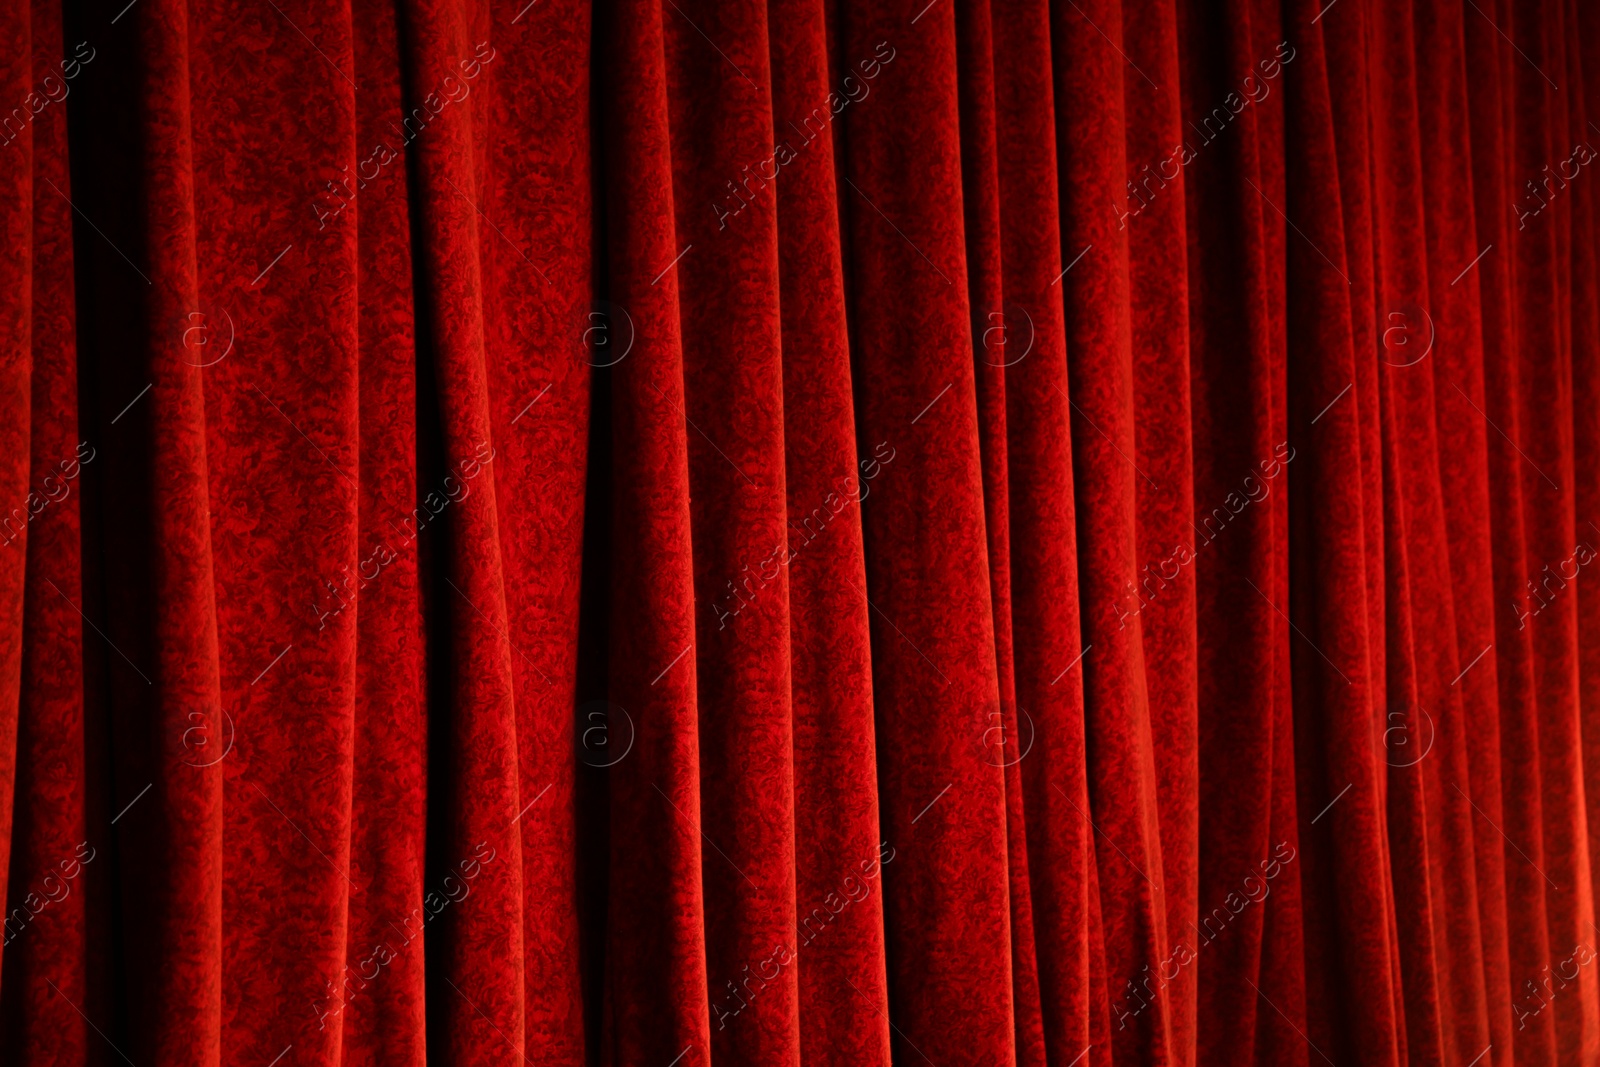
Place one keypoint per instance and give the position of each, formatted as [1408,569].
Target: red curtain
[677,532]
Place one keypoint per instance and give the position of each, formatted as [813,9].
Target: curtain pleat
[671,532]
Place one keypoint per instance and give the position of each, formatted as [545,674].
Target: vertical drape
[673,532]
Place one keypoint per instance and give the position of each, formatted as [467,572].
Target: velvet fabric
[679,532]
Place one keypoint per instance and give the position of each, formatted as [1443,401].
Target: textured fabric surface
[679,532]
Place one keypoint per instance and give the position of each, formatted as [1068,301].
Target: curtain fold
[674,532]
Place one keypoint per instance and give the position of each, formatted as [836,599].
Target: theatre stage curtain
[682,532]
